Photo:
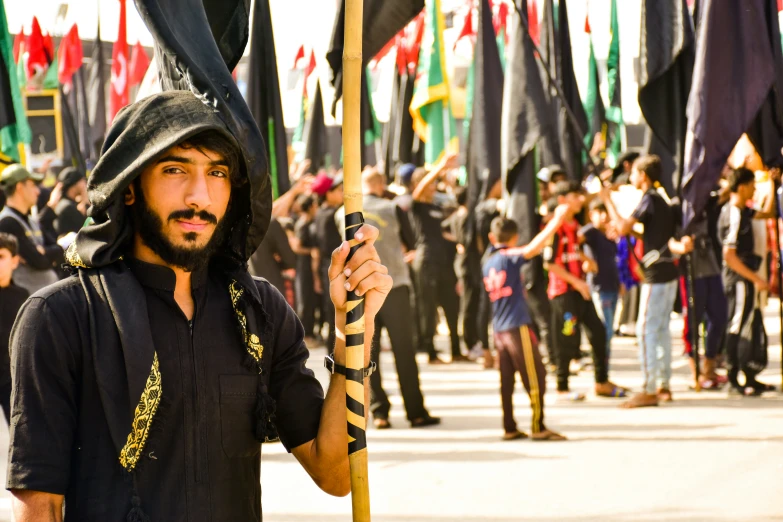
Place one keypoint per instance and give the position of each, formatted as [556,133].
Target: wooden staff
[354,329]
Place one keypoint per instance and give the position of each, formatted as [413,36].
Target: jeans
[710,306]
[656,302]
[606,306]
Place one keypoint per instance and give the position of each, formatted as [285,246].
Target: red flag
[501,19]
[415,46]
[69,56]
[300,54]
[36,50]
[119,68]
[532,20]
[780,5]
[18,42]
[310,66]
[49,47]
[383,52]
[139,63]
[587,25]
[467,27]
[402,52]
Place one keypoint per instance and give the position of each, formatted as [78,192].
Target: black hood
[141,132]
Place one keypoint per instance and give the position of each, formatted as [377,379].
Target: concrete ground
[703,457]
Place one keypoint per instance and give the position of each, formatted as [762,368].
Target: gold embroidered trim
[142,418]
[73,258]
[252,342]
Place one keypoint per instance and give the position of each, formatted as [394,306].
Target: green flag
[13,121]
[502,46]
[433,120]
[593,103]
[51,80]
[614,113]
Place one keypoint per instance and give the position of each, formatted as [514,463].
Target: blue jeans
[606,305]
[656,302]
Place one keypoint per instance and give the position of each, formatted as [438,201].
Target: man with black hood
[145,383]
[72,208]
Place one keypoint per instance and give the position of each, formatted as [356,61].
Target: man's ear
[130,194]
[492,238]
[14,262]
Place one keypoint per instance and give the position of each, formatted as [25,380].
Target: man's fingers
[367,234]
[376,281]
[363,254]
[363,272]
[338,260]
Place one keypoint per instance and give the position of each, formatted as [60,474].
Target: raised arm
[449,161]
[538,243]
[624,226]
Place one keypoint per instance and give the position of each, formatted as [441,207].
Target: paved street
[703,457]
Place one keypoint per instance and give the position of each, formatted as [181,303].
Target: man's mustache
[203,215]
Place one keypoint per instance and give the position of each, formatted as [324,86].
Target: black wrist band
[332,367]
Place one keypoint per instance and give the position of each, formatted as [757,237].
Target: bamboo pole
[355,387]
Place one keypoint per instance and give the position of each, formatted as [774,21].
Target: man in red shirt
[572,306]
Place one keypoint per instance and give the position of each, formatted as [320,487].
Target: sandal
[547,435]
[460,359]
[437,360]
[570,397]
[423,422]
[382,424]
[665,395]
[640,400]
[617,392]
[515,435]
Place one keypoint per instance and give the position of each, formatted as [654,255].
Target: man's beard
[191,259]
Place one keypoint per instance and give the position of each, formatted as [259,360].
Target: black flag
[315,137]
[188,59]
[526,120]
[483,162]
[370,129]
[666,57]
[389,166]
[766,132]
[96,94]
[556,51]
[383,19]
[263,97]
[725,99]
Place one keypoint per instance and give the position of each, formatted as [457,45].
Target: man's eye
[218,174]
[173,170]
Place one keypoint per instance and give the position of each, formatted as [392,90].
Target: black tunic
[201,461]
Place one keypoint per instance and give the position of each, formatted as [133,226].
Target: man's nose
[197,195]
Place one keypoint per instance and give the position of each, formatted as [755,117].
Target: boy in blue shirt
[516,345]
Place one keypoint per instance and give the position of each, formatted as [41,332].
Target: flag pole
[355,387]
[779,206]
[559,90]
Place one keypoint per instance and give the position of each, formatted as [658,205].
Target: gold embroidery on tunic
[252,342]
[142,418]
[73,258]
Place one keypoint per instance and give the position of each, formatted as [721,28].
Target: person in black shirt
[306,295]
[145,383]
[38,252]
[740,277]
[11,299]
[659,288]
[328,238]
[72,207]
[273,256]
[436,282]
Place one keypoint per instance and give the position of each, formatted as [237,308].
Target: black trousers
[306,301]
[436,285]
[474,329]
[395,317]
[327,307]
[541,312]
[741,297]
[518,353]
[570,314]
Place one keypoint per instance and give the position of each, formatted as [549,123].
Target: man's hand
[449,161]
[760,284]
[605,194]
[687,244]
[589,266]
[364,274]
[55,196]
[583,288]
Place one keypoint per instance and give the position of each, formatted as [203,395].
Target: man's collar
[23,214]
[160,277]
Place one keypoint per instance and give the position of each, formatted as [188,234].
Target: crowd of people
[597,268]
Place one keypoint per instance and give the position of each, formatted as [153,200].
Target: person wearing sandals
[739,275]
[517,349]
[572,304]
[659,288]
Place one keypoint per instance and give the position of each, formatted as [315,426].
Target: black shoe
[422,422]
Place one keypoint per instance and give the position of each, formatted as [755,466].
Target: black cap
[69,177]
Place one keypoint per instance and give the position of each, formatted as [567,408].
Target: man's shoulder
[269,293]
[66,290]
